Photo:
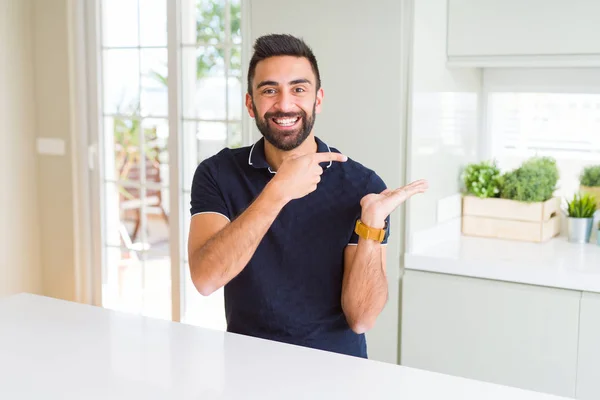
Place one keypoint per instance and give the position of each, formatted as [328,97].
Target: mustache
[270,115]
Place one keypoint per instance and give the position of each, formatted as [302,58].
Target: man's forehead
[283,69]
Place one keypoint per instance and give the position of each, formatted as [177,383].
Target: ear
[249,105]
[319,100]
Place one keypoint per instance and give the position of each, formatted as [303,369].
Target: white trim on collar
[250,156]
[328,149]
[274,172]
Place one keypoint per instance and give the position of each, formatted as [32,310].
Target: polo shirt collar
[257,157]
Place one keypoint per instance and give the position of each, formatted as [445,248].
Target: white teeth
[286,121]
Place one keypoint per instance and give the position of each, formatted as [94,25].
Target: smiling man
[294,230]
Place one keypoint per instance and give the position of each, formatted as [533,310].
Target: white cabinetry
[512,334]
[523,33]
[588,371]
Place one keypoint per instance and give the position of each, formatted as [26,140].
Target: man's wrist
[274,195]
[373,221]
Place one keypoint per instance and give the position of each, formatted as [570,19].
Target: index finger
[330,156]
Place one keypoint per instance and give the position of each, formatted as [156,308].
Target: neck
[275,156]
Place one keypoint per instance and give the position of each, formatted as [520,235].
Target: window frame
[90,66]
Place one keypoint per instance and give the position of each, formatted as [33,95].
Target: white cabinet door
[588,372]
[505,333]
[509,28]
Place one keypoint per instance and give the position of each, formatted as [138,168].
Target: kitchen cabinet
[502,332]
[523,33]
[588,370]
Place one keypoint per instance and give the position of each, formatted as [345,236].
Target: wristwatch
[366,232]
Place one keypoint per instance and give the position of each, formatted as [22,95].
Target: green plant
[534,181]
[590,176]
[582,206]
[482,179]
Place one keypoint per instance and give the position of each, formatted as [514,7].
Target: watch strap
[366,232]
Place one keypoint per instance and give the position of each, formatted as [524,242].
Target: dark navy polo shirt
[291,289]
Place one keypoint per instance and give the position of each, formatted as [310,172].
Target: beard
[281,139]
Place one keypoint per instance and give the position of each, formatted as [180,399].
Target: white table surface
[556,263]
[52,349]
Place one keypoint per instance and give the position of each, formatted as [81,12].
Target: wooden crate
[509,219]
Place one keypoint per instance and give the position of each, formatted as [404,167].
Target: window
[561,120]
[170,84]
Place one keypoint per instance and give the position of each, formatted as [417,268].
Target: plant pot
[580,229]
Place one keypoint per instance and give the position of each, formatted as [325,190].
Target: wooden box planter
[509,219]
[593,190]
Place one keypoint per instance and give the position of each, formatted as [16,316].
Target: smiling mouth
[286,122]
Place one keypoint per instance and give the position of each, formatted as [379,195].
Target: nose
[285,102]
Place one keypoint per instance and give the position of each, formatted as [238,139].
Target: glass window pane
[122,286]
[157,284]
[121,82]
[210,21]
[156,212]
[153,23]
[212,138]
[122,215]
[236,21]
[154,95]
[201,140]
[203,83]
[120,23]
[189,153]
[234,136]
[207,312]
[121,147]
[186,199]
[235,99]
[156,132]
[563,126]
[235,62]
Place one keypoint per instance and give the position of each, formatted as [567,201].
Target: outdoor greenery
[590,176]
[582,206]
[211,32]
[482,179]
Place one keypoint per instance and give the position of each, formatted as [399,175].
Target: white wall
[53,117]
[20,269]
[444,121]
[359,50]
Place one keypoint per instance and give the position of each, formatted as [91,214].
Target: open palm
[377,206]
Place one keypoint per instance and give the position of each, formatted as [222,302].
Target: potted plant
[518,205]
[589,181]
[482,179]
[580,212]
[598,234]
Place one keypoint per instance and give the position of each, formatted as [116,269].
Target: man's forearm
[364,288]
[226,254]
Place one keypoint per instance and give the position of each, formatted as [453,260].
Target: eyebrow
[273,83]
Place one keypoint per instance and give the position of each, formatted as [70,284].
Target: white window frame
[85,41]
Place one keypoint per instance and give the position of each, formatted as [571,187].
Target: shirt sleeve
[206,195]
[376,185]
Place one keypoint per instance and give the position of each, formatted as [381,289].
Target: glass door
[170,95]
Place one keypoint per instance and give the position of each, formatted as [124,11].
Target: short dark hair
[281,45]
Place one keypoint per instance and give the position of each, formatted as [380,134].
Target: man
[293,229]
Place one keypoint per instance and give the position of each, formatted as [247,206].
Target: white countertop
[52,349]
[556,263]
